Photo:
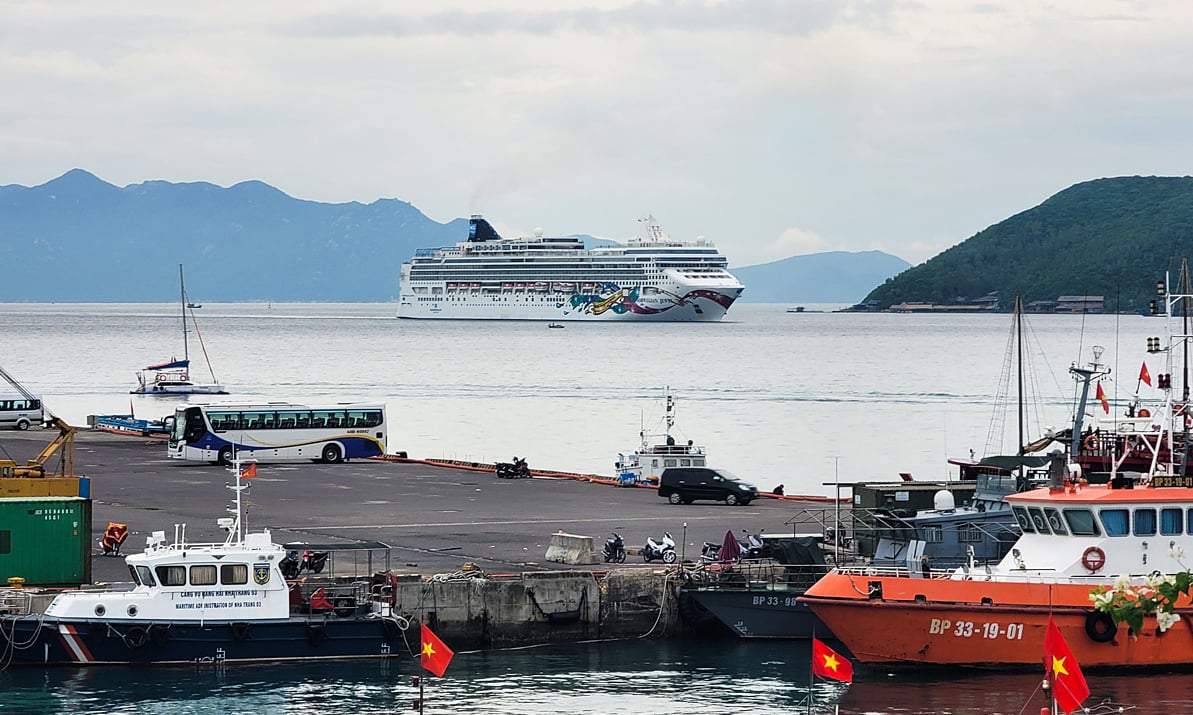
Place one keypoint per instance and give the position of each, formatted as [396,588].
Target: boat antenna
[237,510]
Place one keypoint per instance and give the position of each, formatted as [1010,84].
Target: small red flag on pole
[1144,375]
[827,663]
[249,472]
[1068,684]
[435,654]
[1102,398]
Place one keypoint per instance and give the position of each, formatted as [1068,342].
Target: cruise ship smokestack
[480,230]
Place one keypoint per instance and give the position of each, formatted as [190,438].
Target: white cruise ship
[540,278]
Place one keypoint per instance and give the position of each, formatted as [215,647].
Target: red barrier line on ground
[594,478]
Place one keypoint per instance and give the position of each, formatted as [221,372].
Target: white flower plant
[1157,595]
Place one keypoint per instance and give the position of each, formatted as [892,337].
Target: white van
[19,412]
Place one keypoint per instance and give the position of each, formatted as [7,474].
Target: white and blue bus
[277,431]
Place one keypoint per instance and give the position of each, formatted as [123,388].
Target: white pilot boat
[217,602]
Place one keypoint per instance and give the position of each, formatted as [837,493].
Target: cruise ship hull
[627,304]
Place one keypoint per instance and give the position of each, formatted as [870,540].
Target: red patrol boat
[1077,541]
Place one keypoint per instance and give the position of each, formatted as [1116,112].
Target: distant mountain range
[78,238]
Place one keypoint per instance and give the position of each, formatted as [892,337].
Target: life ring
[1099,626]
[136,637]
[1144,412]
[1090,443]
[1093,559]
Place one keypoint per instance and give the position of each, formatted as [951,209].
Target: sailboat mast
[182,303]
[1022,408]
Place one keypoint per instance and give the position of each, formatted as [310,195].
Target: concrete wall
[540,607]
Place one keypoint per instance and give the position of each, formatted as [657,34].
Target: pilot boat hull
[33,640]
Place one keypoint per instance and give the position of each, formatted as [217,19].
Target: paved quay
[436,519]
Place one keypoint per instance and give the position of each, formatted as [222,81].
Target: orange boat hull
[983,623]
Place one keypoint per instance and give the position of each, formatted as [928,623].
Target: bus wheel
[332,454]
[225,455]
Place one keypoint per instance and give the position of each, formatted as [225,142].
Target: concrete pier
[470,549]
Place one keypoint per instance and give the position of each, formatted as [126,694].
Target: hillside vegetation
[1110,237]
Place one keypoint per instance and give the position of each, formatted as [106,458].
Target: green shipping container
[46,541]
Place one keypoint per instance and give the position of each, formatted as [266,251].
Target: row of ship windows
[200,575]
[1141,521]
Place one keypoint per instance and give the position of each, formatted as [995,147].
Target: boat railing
[755,573]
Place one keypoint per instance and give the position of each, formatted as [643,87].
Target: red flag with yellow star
[1102,398]
[435,655]
[1068,684]
[827,663]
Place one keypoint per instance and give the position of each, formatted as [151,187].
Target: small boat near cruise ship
[653,278]
[225,602]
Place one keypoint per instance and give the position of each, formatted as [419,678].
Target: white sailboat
[172,377]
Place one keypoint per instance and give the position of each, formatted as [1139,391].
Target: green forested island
[1110,237]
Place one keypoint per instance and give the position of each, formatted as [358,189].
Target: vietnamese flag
[435,655]
[1144,375]
[249,472]
[827,663]
[1069,688]
[1103,400]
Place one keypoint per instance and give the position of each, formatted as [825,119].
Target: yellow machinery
[63,445]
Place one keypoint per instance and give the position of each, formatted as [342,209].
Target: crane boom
[63,444]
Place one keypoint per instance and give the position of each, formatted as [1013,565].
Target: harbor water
[805,399]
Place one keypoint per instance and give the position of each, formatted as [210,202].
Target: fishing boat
[657,451]
[651,278]
[235,601]
[173,377]
[1078,539]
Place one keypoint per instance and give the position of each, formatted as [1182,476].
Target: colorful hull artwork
[612,297]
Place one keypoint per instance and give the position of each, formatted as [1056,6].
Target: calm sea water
[804,399]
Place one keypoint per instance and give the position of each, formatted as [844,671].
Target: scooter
[513,470]
[313,561]
[290,565]
[664,549]
[615,549]
[753,546]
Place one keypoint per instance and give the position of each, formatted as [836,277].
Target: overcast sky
[772,127]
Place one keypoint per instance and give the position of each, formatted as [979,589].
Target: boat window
[1145,522]
[203,575]
[1054,521]
[1024,520]
[969,533]
[171,575]
[1189,521]
[1038,520]
[933,534]
[133,571]
[669,463]
[145,576]
[1170,522]
[233,574]
[1081,522]
[1114,521]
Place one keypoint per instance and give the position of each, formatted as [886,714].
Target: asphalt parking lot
[436,519]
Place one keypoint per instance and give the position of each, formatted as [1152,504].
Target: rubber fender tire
[1100,627]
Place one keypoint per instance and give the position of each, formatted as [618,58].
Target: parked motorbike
[615,549]
[710,552]
[313,561]
[664,549]
[290,564]
[513,470]
[114,536]
[752,547]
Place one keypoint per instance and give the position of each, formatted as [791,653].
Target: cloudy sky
[773,127]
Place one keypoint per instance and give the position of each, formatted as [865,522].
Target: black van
[683,485]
